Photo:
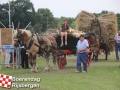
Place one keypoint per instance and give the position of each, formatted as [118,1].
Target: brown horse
[94,42]
[36,44]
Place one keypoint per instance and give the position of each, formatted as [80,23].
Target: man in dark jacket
[24,56]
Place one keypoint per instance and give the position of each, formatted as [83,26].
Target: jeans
[11,57]
[117,48]
[82,58]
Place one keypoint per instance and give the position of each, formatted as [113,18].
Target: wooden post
[13,61]
[0,51]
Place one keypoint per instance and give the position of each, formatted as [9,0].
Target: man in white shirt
[82,46]
[117,45]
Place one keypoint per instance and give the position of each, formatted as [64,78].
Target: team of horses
[46,45]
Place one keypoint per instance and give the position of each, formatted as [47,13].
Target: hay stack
[108,25]
[83,21]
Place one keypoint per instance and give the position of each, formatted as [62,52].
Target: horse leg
[34,68]
[47,68]
[30,59]
[55,67]
[106,54]
[93,58]
[96,57]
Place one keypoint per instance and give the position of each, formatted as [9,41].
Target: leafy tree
[4,16]
[45,20]
[21,11]
[118,20]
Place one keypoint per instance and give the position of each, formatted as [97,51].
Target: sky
[71,8]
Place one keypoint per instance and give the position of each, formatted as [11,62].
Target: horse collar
[30,43]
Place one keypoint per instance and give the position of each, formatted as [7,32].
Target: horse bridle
[19,35]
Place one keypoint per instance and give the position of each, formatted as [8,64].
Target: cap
[81,36]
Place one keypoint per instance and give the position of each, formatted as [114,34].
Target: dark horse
[94,44]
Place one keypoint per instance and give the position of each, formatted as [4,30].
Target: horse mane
[27,32]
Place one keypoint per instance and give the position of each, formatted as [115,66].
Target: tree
[118,20]
[45,20]
[21,11]
[4,16]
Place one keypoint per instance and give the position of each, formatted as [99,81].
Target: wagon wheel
[61,63]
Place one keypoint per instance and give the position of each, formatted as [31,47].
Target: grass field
[101,75]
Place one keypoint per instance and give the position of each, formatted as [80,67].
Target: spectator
[24,56]
[117,45]
[17,52]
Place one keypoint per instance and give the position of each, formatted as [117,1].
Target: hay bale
[108,26]
[6,36]
[83,21]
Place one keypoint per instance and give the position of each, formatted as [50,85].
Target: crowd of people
[19,58]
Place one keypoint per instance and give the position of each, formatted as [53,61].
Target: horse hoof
[36,71]
[46,69]
[32,70]
[55,68]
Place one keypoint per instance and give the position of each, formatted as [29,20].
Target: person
[82,46]
[64,30]
[117,45]
[17,52]
[24,56]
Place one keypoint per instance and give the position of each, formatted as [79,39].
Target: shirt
[65,27]
[116,38]
[82,44]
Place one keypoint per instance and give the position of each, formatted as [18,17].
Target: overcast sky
[70,8]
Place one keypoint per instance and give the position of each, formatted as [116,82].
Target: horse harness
[96,39]
[20,35]
[39,38]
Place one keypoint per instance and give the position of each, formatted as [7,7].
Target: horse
[36,44]
[94,44]
[96,48]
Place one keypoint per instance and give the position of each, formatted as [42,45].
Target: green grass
[101,75]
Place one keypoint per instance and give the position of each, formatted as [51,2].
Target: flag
[5,81]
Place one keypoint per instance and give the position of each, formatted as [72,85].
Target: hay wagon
[65,50]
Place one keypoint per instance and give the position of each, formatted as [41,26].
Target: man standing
[64,29]
[82,46]
[24,56]
[117,45]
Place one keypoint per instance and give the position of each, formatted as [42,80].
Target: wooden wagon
[65,50]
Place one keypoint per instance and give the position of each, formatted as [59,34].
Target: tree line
[23,12]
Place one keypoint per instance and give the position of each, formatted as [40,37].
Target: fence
[7,46]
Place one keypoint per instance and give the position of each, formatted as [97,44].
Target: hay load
[83,21]
[107,26]
[76,33]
